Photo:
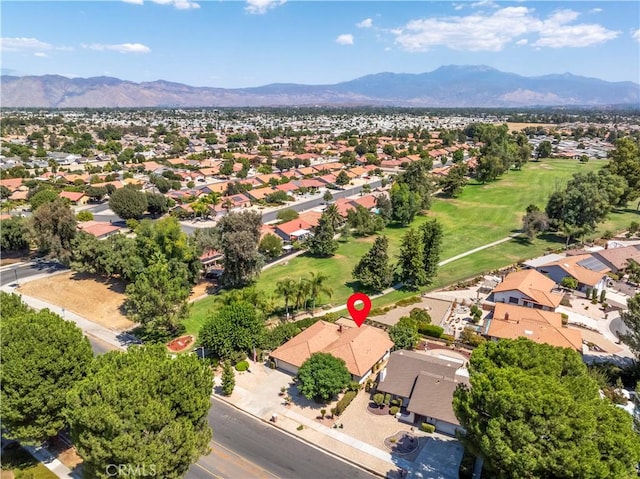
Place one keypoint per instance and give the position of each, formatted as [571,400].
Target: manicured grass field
[482,214]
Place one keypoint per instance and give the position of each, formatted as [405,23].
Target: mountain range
[447,86]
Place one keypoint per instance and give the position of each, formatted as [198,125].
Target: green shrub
[603,295]
[426,427]
[409,301]
[242,366]
[396,402]
[430,330]
[376,312]
[330,317]
[367,385]
[84,216]
[394,410]
[300,427]
[378,398]
[132,223]
[345,401]
[272,364]
[354,386]
[448,337]
[387,399]
[569,282]
[565,318]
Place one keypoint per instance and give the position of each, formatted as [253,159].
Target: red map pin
[359,315]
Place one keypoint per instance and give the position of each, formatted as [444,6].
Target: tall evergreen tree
[411,260]
[228,379]
[432,243]
[322,243]
[373,270]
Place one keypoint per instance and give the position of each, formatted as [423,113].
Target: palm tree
[227,204]
[301,293]
[286,288]
[333,215]
[317,285]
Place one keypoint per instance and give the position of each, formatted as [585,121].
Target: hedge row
[345,401]
[430,330]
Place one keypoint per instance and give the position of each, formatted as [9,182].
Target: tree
[141,409]
[373,270]
[6,192]
[157,204]
[455,180]
[543,150]
[405,204]
[342,179]
[287,214]
[333,215]
[240,235]
[385,209]
[234,328]
[489,168]
[534,411]
[322,243]
[128,202]
[432,243]
[52,227]
[270,246]
[287,289]
[322,376]
[534,222]
[569,282]
[327,196]
[411,260]
[14,235]
[317,285]
[625,162]
[363,221]
[84,215]
[158,299]
[42,197]
[419,181]
[404,334]
[43,356]
[228,379]
[631,319]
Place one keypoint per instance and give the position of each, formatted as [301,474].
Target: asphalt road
[24,270]
[266,452]
[100,212]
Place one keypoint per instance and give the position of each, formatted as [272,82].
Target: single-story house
[212,261]
[75,197]
[260,193]
[509,321]
[360,348]
[527,288]
[293,230]
[99,229]
[617,259]
[588,272]
[425,384]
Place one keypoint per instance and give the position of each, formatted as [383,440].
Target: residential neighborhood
[235,246]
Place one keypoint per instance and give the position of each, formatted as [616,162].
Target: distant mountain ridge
[447,86]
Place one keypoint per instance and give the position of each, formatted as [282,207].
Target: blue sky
[256,42]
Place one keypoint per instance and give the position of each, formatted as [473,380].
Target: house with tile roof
[293,230]
[509,321]
[617,259]
[360,348]
[99,229]
[527,288]
[425,384]
[75,197]
[579,268]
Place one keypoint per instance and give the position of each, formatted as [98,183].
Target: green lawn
[482,214]
[24,465]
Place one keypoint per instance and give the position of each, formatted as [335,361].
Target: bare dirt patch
[180,344]
[87,295]
[522,126]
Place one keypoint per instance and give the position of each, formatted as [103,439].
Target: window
[513,300]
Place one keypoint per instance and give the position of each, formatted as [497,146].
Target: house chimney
[506,316]
[340,328]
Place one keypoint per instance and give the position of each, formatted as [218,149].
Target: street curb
[302,439]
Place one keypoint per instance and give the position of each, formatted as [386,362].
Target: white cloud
[636,34]
[595,10]
[40,54]
[120,47]
[495,30]
[345,39]
[258,7]
[522,41]
[21,44]
[366,23]
[179,4]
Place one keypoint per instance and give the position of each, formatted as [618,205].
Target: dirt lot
[522,126]
[89,296]
[86,295]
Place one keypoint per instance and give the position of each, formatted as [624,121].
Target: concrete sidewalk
[49,460]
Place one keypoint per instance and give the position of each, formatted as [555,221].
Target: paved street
[266,452]
[20,271]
